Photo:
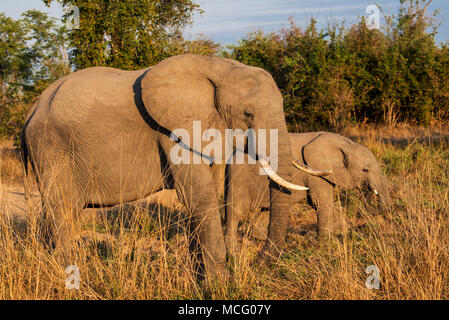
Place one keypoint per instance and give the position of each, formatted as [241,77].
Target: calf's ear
[325,154]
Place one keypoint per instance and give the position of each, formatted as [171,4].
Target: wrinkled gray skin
[100,136]
[353,166]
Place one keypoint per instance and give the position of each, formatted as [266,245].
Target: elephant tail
[24,158]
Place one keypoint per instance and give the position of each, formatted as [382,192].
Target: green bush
[338,75]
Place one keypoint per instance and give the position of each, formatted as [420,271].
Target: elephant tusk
[313,172]
[375,192]
[276,178]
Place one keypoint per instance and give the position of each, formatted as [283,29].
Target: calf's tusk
[276,178]
[313,172]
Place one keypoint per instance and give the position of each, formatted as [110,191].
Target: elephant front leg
[233,214]
[330,222]
[237,200]
[232,221]
[194,185]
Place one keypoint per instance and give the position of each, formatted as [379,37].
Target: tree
[33,53]
[331,76]
[127,34]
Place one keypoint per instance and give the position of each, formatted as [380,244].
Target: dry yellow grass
[146,256]
[10,170]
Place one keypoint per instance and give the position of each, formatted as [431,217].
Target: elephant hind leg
[329,220]
[63,204]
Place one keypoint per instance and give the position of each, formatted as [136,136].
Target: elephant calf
[353,166]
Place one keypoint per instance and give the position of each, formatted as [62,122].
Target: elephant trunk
[383,198]
[379,187]
[279,196]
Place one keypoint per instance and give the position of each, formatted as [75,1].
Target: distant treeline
[329,77]
[338,75]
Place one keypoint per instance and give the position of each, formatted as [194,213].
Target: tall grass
[140,251]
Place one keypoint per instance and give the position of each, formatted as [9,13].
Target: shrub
[337,75]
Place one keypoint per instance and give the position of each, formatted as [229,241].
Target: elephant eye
[365,170]
[249,114]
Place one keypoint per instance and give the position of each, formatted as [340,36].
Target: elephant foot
[233,246]
[213,282]
[260,227]
[338,227]
[216,275]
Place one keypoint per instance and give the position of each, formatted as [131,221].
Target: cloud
[264,12]
[225,20]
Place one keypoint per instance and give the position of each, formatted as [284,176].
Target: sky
[227,21]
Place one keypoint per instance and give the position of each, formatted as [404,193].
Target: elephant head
[350,165]
[222,93]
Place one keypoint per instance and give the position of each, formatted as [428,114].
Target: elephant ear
[327,152]
[175,94]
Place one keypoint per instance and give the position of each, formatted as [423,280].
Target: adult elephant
[101,136]
[349,166]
